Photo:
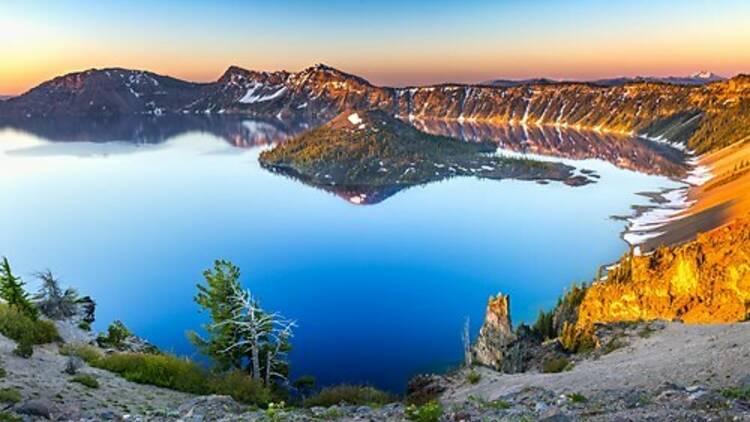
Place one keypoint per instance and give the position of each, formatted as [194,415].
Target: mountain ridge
[702,116]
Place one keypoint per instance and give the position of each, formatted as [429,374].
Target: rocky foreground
[659,371]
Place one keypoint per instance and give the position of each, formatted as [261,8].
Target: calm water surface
[132,217]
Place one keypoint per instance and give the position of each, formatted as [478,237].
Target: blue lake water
[380,292]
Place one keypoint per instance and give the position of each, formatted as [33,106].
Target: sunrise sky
[388,42]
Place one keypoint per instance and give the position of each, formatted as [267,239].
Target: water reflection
[623,151]
[627,152]
[239,132]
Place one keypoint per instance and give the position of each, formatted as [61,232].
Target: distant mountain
[508,83]
[703,116]
[699,78]
[5,97]
[104,92]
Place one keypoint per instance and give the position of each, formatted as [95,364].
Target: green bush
[578,398]
[350,394]
[86,379]
[9,417]
[473,377]
[556,365]
[24,349]
[430,412]
[168,371]
[739,393]
[242,388]
[161,370]
[117,333]
[18,326]
[9,395]
[85,326]
[88,353]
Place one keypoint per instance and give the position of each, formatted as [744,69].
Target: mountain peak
[704,74]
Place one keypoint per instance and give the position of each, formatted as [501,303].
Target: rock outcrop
[496,333]
[703,281]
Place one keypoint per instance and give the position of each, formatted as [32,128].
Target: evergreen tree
[11,290]
[241,335]
[218,299]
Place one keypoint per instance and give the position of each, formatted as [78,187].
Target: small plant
[350,394]
[84,351]
[613,344]
[9,417]
[430,412]
[738,393]
[304,385]
[276,412]
[646,332]
[578,398]
[86,379]
[24,350]
[117,333]
[85,326]
[9,395]
[473,377]
[556,365]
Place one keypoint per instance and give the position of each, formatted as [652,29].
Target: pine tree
[11,290]
[217,298]
[241,334]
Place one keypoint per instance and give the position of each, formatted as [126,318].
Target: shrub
[556,365]
[242,388]
[20,327]
[9,395]
[740,393]
[350,394]
[88,353]
[86,379]
[84,325]
[169,371]
[24,349]
[9,417]
[3,372]
[161,370]
[473,377]
[576,341]
[430,412]
[578,398]
[117,333]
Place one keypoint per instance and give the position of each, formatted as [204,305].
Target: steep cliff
[703,281]
[496,333]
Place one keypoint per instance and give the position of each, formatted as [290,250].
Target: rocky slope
[704,116]
[703,281]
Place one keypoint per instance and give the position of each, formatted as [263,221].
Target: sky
[389,42]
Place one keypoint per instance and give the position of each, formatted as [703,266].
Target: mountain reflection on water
[623,151]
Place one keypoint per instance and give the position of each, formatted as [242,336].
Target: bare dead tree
[259,331]
[467,343]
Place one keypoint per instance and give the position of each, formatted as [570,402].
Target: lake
[132,211]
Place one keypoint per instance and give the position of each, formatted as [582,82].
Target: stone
[37,407]
[73,364]
[208,408]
